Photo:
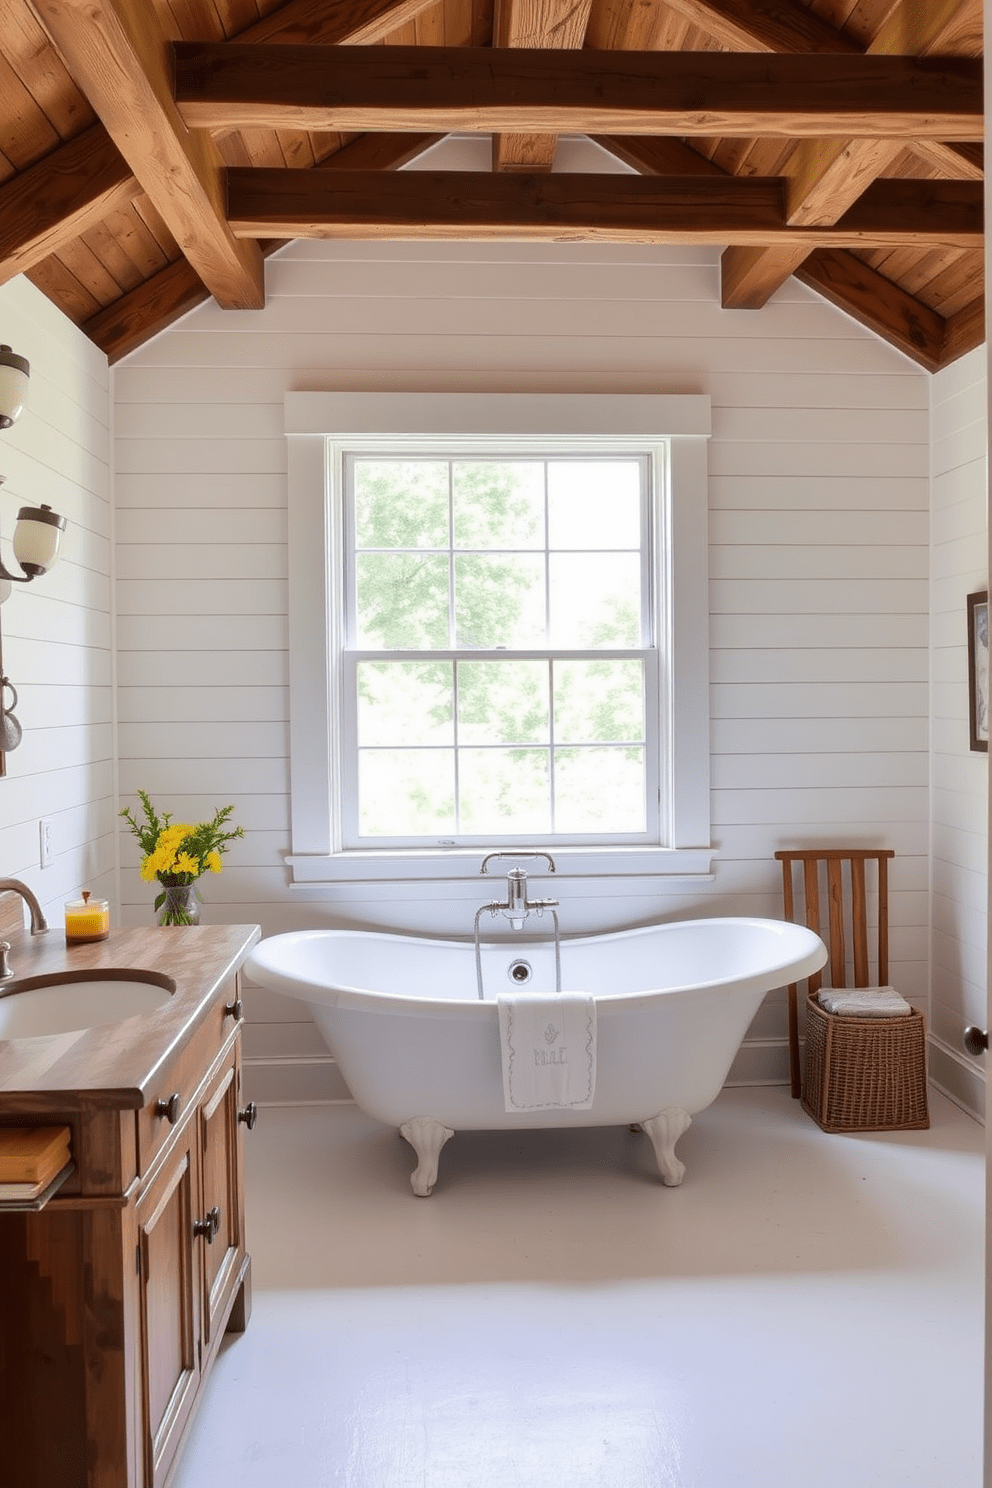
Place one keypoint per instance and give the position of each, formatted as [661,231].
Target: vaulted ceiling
[152,152]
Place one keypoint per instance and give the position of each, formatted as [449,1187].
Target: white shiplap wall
[960,776]
[819,561]
[57,630]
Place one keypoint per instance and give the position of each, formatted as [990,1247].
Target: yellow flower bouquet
[177,853]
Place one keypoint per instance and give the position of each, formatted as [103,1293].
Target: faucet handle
[5,971]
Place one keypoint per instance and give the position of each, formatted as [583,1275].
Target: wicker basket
[865,1074]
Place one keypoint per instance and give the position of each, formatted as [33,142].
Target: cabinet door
[170,1306]
[220,1167]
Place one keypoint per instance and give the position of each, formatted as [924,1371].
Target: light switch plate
[46,852]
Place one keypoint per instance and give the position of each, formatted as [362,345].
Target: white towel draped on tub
[548,1044]
[864,1002]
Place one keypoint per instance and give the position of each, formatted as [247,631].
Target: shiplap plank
[855,664]
[814,529]
[836,562]
[814,493]
[802,736]
[771,700]
[815,632]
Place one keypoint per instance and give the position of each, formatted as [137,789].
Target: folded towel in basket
[863,1002]
[548,1047]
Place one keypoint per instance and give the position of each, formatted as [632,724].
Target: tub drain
[519,972]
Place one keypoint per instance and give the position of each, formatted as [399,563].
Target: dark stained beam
[605,208]
[477,89]
[54,201]
[963,331]
[877,303]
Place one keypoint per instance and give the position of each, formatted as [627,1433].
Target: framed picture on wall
[978,669]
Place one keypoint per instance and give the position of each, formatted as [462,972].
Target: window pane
[599,790]
[401,601]
[598,701]
[406,792]
[594,503]
[504,790]
[498,504]
[499,600]
[408,700]
[502,702]
[401,503]
[595,599]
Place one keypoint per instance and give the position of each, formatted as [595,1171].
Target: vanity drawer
[181,1076]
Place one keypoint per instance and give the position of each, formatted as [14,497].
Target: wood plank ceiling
[152,152]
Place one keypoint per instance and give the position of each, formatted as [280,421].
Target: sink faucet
[38,922]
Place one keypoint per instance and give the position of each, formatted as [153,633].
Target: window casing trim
[318,427]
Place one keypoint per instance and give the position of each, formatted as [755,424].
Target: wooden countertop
[115,1065]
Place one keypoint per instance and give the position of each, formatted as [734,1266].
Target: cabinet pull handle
[235,1009]
[169,1108]
[249,1115]
[208,1227]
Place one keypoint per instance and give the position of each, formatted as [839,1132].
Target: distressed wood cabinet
[115,1296]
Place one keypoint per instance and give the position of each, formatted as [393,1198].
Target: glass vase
[181,905]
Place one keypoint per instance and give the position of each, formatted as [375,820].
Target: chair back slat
[836,942]
[811,892]
[883,921]
[859,920]
[838,911]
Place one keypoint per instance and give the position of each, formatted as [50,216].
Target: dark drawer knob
[975,1040]
[249,1115]
[169,1108]
[235,1009]
[208,1227]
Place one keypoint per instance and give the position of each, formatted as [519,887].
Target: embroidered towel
[548,1045]
[863,1002]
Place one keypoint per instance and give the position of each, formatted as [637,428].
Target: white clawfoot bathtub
[421,1052]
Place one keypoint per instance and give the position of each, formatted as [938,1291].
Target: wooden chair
[834,934]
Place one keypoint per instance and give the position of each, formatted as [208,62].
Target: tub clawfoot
[426,1136]
[664,1131]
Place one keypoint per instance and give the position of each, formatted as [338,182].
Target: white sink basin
[37,1007]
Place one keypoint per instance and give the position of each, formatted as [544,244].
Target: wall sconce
[39,530]
[36,536]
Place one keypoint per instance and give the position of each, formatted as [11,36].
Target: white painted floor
[805,1309]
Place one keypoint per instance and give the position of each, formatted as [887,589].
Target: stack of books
[31,1158]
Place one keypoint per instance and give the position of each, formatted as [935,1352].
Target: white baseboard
[958,1077]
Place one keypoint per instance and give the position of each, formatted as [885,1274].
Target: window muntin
[499,677]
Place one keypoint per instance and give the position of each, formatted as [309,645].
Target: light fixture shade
[14,378]
[36,538]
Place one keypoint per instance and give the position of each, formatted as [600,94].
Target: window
[483,637]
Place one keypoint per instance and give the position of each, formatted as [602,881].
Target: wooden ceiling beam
[171,293]
[755,25]
[333,22]
[119,56]
[62,196]
[535,23]
[610,208]
[963,331]
[877,303]
[477,89]
[825,177]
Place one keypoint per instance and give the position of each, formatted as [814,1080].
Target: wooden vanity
[115,1295]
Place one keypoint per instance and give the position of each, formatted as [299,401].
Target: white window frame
[320,427]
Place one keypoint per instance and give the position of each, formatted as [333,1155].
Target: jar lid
[87,902]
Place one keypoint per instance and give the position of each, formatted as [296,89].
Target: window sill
[458,869]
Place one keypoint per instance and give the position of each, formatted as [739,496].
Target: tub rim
[780,973]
